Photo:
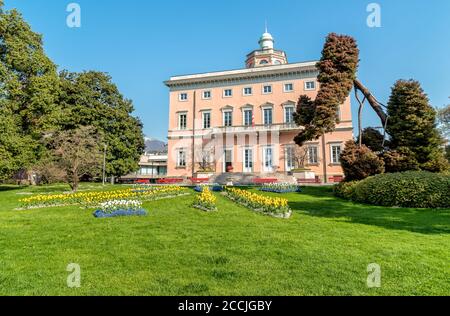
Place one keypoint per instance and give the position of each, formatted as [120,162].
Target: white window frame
[306,85]
[339,113]
[245,94]
[263,160]
[331,153]
[288,106]
[224,113]
[264,108]
[284,87]
[181,153]
[252,161]
[180,97]
[180,128]
[204,97]
[309,155]
[243,116]
[268,86]
[289,166]
[227,96]
[203,119]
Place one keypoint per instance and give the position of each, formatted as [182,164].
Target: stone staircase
[247,178]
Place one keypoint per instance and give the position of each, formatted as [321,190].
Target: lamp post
[104,164]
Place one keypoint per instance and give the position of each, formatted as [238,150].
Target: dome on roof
[266,41]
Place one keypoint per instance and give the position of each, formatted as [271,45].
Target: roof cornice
[239,74]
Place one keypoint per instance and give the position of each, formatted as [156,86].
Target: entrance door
[268,159]
[248,160]
[228,160]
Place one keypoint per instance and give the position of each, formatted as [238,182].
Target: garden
[324,248]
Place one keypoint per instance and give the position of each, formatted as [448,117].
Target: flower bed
[211,187]
[94,199]
[205,201]
[276,207]
[116,208]
[280,188]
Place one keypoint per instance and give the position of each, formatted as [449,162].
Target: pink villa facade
[241,121]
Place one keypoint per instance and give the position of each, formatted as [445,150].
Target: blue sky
[142,43]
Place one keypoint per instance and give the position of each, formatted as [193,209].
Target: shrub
[345,189]
[359,163]
[419,189]
[399,160]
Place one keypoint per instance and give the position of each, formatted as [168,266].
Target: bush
[399,160]
[359,163]
[418,189]
[345,189]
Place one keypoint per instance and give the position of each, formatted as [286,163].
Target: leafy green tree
[29,93]
[373,139]
[412,125]
[16,150]
[91,99]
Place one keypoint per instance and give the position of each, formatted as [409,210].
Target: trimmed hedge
[418,189]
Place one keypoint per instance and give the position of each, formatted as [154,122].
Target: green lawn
[324,249]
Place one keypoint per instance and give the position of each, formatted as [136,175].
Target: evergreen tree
[337,72]
[373,139]
[412,125]
[91,99]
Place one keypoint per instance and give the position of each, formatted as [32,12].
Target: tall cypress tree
[412,126]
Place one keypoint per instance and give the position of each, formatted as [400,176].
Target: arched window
[263,62]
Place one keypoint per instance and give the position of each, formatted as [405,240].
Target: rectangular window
[335,154]
[228,119]
[182,121]
[290,160]
[181,158]
[313,155]
[310,85]
[288,87]
[268,117]
[289,114]
[267,89]
[206,119]
[248,117]
[207,94]
[227,93]
[248,91]
[338,114]
[183,97]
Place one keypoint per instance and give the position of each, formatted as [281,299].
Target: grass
[324,249]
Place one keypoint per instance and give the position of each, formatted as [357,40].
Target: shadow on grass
[4,188]
[323,204]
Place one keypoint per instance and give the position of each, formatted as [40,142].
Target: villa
[241,122]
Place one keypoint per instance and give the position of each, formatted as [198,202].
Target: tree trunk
[112,180]
[74,183]
[372,101]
